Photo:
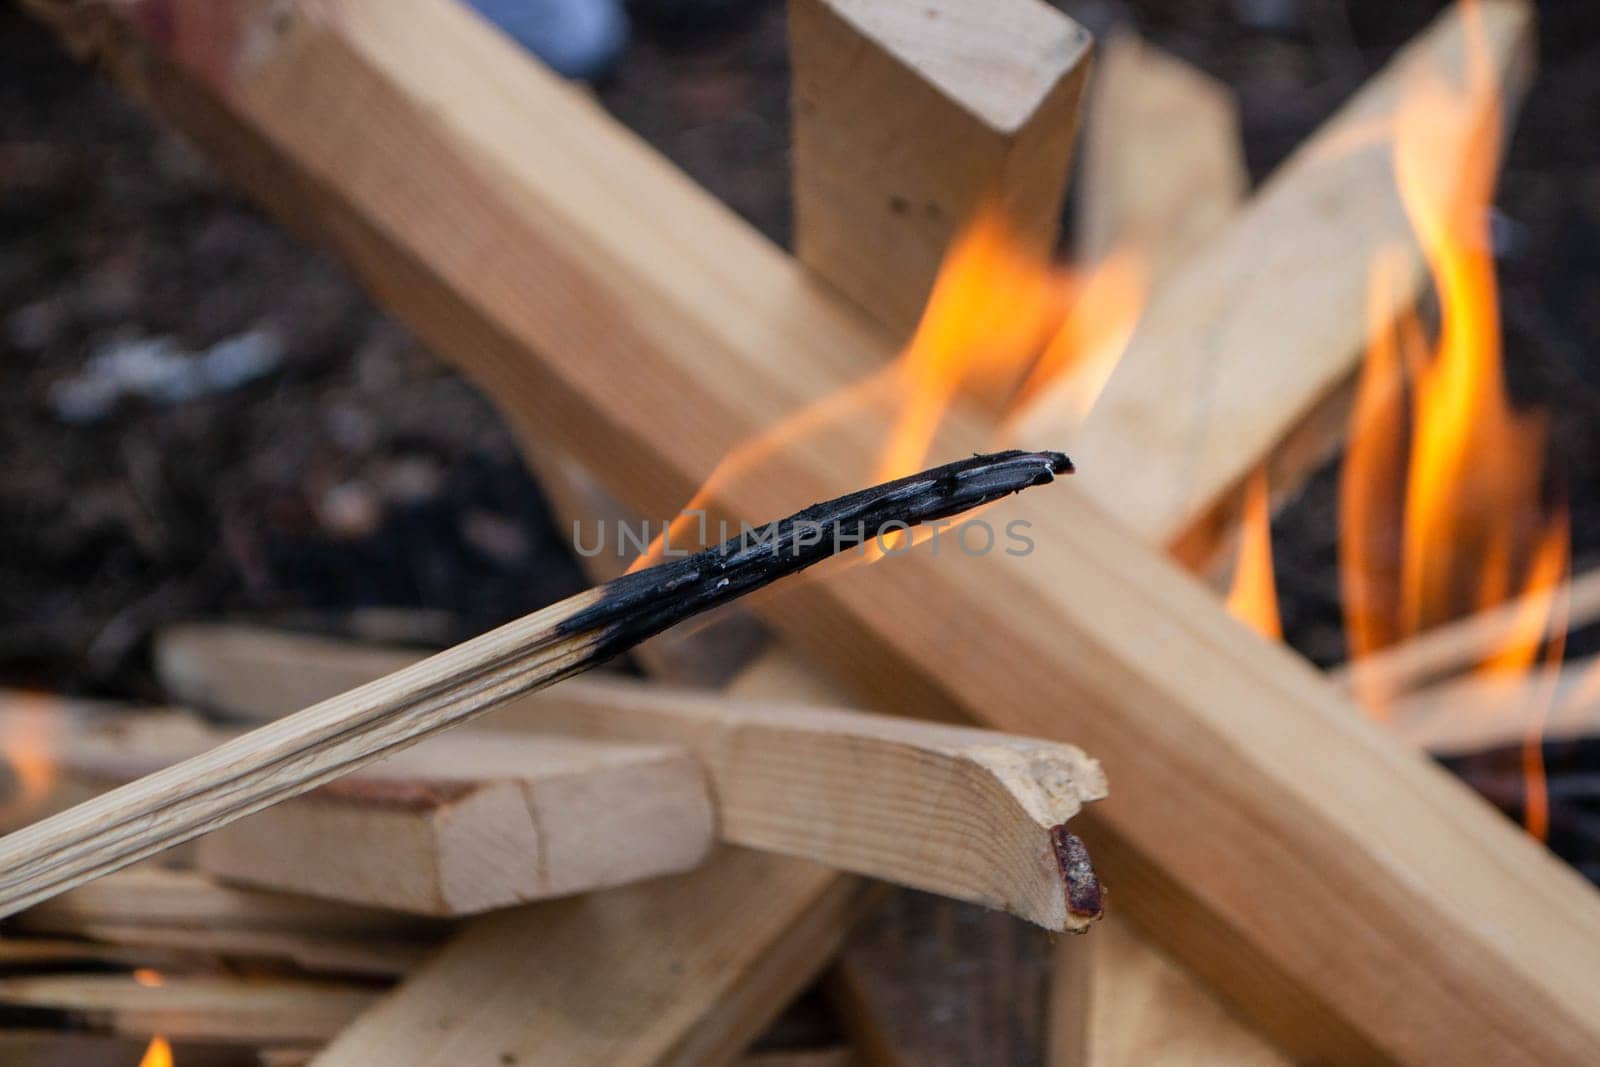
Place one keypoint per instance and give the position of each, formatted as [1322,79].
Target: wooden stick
[1483,711]
[907,116]
[292,755]
[719,930]
[213,1008]
[1456,647]
[776,771]
[1357,860]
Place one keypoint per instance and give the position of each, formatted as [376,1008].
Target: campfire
[1024,706]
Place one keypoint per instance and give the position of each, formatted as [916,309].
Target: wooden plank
[1269,320]
[463,824]
[907,116]
[1454,648]
[1163,163]
[1369,874]
[210,1009]
[1142,1007]
[581,976]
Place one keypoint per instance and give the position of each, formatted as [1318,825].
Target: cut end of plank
[1085,896]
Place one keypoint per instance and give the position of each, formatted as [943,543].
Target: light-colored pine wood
[465,823]
[1163,163]
[580,981]
[959,812]
[1483,711]
[1389,911]
[908,115]
[457,825]
[211,1008]
[1143,1008]
[1268,321]
[842,788]
[1434,656]
[148,907]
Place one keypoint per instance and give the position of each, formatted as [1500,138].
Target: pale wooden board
[465,823]
[582,976]
[1369,875]
[219,1009]
[907,116]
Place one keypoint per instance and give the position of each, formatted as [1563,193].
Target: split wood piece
[970,814]
[183,911]
[541,984]
[1455,647]
[907,116]
[838,787]
[1269,320]
[1486,711]
[1163,163]
[926,981]
[1369,873]
[1137,1006]
[212,1009]
[292,755]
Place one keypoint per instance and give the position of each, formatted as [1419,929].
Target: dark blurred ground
[356,473]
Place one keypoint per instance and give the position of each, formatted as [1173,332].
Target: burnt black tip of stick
[639,605]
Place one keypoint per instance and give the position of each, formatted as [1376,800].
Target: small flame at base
[158,1054]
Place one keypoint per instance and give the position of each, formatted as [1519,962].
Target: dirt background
[360,486]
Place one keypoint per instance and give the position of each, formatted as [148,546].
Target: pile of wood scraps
[615,871]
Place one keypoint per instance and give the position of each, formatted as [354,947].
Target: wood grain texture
[1363,904]
[969,814]
[212,1008]
[582,977]
[907,116]
[1269,320]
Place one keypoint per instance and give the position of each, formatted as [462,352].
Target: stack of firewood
[1323,878]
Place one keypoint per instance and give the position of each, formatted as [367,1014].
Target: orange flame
[1440,499]
[1253,599]
[29,733]
[158,1054]
[1001,324]
[149,978]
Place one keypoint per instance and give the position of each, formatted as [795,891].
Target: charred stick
[329,739]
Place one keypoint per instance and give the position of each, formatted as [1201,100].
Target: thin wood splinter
[322,742]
